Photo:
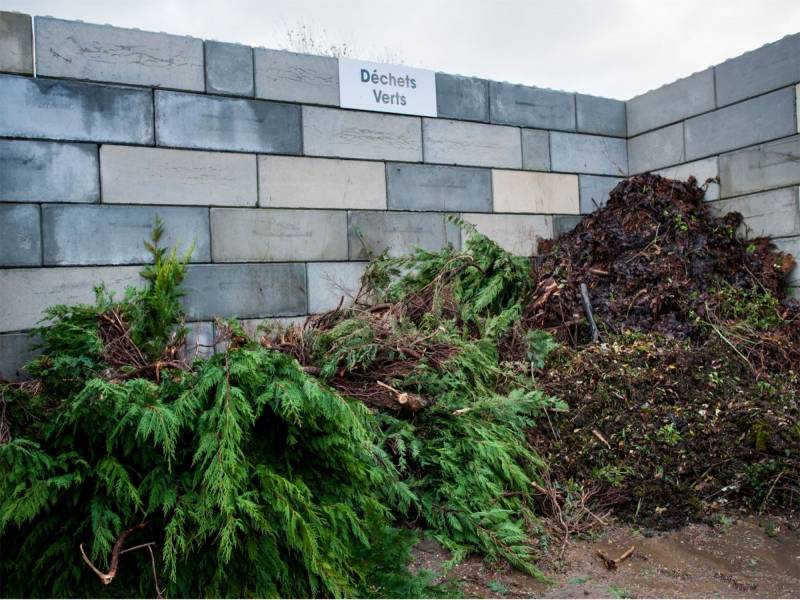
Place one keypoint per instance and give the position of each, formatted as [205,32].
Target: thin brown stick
[107,578]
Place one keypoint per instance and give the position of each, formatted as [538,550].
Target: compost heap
[686,404]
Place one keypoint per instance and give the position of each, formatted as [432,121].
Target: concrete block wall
[246,153]
[738,123]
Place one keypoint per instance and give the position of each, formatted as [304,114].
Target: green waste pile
[309,465]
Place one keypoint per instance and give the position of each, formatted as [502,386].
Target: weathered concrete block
[702,170]
[672,102]
[295,182]
[273,234]
[656,149]
[20,235]
[602,116]
[245,291]
[199,341]
[530,192]
[531,107]
[372,232]
[471,144]
[518,234]
[16,350]
[771,165]
[775,213]
[229,69]
[465,98]
[764,118]
[594,191]
[353,134]
[767,68]
[159,176]
[332,282]
[103,53]
[535,150]
[212,123]
[564,224]
[792,246]
[16,43]
[114,235]
[65,110]
[292,77]
[26,293]
[271,327]
[48,172]
[580,153]
[433,187]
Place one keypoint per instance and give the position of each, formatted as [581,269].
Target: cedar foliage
[247,476]
[465,457]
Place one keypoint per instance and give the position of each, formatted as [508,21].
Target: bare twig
[107,578]
[587,308]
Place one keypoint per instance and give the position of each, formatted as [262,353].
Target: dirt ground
[735,558]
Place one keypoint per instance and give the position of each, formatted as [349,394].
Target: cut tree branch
[107,578]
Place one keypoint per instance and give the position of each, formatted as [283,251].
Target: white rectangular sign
[386,88]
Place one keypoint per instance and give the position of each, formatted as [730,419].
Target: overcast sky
[614,48]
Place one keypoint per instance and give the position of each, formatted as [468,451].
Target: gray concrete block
[20,235]
[229,69]
[531,107]
[16,43]
[656,149]
[775,213]
[702,170]
[160,176]
[26,293]
[767,68]
[432,187]
[535,150]
[758,120]
[672,102]
[471,144]
[214,123]
[563,224]
[302,182]
[771,165]
[245,291]
[518,234]
[276,234]
[792,246]
[103,53]
[115,235]
[199,341]
[16,350]
[48,172]
[353,134]
[292,77]
[594,154]
[594,191]
[465,98]
[371,232]
[602,116]
[330,283]
[66,110]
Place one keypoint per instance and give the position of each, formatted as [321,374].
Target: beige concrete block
[518,234]
[275,235]
[532,192]
[132,175]
[26,293]
[299,182]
